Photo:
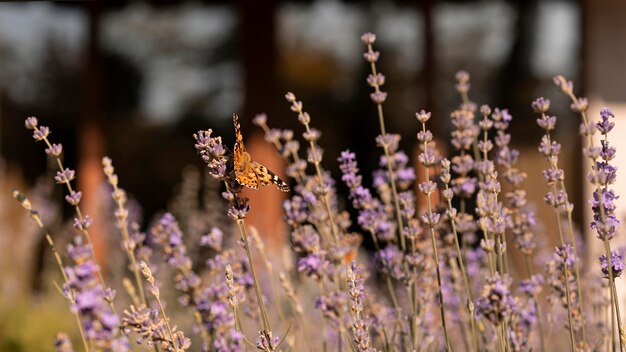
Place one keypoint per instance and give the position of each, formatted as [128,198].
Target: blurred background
[135,79]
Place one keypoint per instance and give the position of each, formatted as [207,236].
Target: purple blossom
[41,133]
[83,224]
[168,234]
[389,260]
[62,343]
[368,38]
[30,123]
[213,153]
[422,116]
[332,305]
[605,125]
[65,176]
[541,105]
[496,302]
[54,150]
[74,198]
[531,287]
[371,56]
[616,263]
[213,239]
[314,266]
[605,221]
[305,239]
[90,300]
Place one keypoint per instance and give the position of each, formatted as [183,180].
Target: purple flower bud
[462,76]
[30,122]
[430,219]
[55,150]
[260,119]
[368,38]
[424,137]
[273,135]
[605,125]
[580,105]
[312,135]
[616,263]
[378,97]
[290,97]
[427,187]
[239,211]
[41,133]
[74,198]
[566,86]
[304,118]
[389,261]
[496,302]
[65,176]
[314,266]
[376,81]
[213,239]
[485,110]
[547,122]
[540,105]
[422,116]
[83,225]
[371,56]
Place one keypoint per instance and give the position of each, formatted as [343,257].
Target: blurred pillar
[90,138]
[429,68]
[257,47]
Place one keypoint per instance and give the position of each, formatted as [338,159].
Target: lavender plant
[439,277]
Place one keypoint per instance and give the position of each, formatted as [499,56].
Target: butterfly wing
[244,172]
[250,173]
[247,177]
[239,148]
[265,176]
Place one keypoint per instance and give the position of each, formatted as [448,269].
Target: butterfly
[248,172]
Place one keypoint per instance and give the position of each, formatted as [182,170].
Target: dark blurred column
[438,124]
[257,50]
[429,67]
[90,138]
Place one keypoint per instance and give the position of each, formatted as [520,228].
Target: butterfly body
[248,172]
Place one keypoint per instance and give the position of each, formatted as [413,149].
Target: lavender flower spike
[616,263]
[357,295]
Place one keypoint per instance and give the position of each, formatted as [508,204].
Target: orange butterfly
[248,172]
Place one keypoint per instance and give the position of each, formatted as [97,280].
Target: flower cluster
[605,220]
[438,231]
[92,301]
[496,304]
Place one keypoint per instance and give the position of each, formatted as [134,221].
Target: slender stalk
[553,165]
[121,215]
[434,247]
[260,247]
[147,273]
[34,215]
[289,292]
[383,132]
[452,214]
[79,214]
[529,267]
[257,287]
[566,275]
[315,160]
[614,298]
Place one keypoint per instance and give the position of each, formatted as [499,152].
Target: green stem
[435,254]
[257,288]
[392,181]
